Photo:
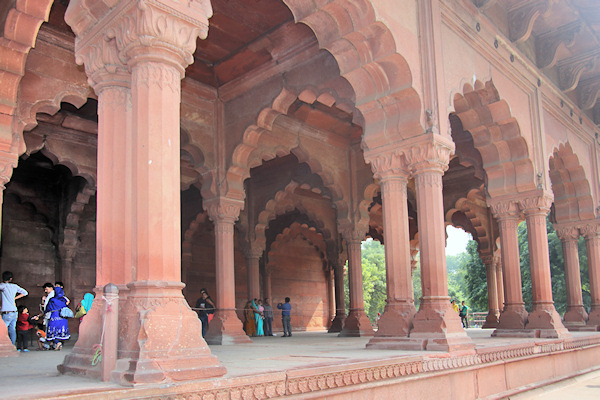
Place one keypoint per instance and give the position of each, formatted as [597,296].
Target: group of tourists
[463,312]
[51,326]
[258,315]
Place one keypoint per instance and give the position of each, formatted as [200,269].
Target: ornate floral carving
[223,209]
[152,74]
[389,165]
[567,233]
[432,154]
[590,229]
[539,202]
[102,63]
[504,208]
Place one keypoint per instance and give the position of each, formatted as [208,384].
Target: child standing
[23,327]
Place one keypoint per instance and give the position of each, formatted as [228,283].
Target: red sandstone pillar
[357,323]
[513,316]
[267,283]
[330,294]
[225,327]
[253,270]
[436,324]
[7,349]
[159,339]
[500,284]
[340,300]
[591,233]
[396,321]
[543,316]
[576,316]
[491,320]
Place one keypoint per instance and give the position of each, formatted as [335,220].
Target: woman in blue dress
[258,319]
[58,327]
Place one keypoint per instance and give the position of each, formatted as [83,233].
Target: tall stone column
[111,81]
[7,349]
[340,300]
[357,323]
[329,276]
[158,340]
[225,327]
[576,316]
[500,284]
[543,316]
[491,320]
[253,269]
[591,233]
[396,321]
[513,316]
[436,324]
[267,283]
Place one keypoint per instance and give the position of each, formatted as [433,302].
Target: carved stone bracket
[522,16]
[570,69]
[590,229]
[588,93]
[546,45]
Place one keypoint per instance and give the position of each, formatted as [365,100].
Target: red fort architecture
[249,146]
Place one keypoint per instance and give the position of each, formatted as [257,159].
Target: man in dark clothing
[204,306]
[268,314]
[286,315]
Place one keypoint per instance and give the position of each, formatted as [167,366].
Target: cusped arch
[308,233]
[71,165]
[365,51]
[572,193]
[496,135]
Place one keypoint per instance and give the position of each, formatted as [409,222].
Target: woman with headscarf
[249,325]
[58,327]
[258,318]
[85,306]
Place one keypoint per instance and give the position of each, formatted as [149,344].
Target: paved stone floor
[33,375]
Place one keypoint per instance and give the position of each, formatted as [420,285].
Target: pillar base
[491,320]
[79,361]
[159,338]
[575,317]
[545,319]
[439,325]
[515,333]
[226,328]
[395,322]
[397,343]
[337,324]
[357,324]
[594,316]
[7,349]
[514,316]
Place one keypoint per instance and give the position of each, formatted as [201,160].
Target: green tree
[475,279]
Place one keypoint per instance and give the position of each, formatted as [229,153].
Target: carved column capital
[432,154]
[390,165]
[504,209]
[590,229]
[223,209]
[352,233]
[162,30]
[536,203]
[566,232]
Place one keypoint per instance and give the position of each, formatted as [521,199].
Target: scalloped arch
[305,232]
[69,164]
[497,137]
[572,194]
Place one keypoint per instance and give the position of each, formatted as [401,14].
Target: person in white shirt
[10,292]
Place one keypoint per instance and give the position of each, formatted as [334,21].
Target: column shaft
[253,277]
[491,321]
[592,244]
[500,283]
[576,314]
[400,309]
[340,300]
[357,323]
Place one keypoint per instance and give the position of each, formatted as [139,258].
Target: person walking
[286,317]
[10,293]
[464,313]
[268,314]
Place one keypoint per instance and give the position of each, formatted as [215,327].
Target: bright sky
[457,240]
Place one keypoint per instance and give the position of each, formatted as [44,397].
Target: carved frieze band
[151,74]
[346,376]
[536,203]
[429,179]
[522,16]
[116,98]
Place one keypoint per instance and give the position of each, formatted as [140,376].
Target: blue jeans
[10,319]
